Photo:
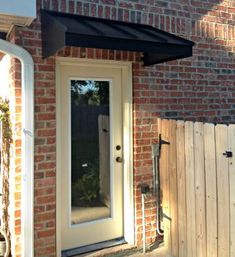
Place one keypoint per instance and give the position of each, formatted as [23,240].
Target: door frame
[128,192]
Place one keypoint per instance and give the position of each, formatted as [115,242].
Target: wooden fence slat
[190,189]
[198,192]
[182,222]
[164,178]
[173,188]
[211,188]
[231,140]
[200,189]
[223,190]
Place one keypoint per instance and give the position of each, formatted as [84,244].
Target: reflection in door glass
[90,142]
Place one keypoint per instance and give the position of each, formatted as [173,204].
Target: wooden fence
[198,188]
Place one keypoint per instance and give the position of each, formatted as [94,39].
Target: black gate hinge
[228,154]
[162,142]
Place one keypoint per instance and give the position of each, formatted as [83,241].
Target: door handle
[119,159]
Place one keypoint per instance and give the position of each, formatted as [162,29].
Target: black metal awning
[61,29]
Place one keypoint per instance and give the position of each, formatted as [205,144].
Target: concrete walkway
[120,251]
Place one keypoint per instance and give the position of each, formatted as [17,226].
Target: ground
[120,251]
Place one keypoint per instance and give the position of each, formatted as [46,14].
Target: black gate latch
[228,154]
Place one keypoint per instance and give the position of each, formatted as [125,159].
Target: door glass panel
[90,143]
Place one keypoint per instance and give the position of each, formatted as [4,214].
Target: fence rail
[197,174]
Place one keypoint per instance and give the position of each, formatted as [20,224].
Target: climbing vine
[6,140]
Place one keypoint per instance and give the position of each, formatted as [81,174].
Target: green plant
[86,188]
[6,141]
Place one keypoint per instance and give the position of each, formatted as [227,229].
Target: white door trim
[126,67]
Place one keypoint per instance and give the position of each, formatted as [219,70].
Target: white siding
[21,8]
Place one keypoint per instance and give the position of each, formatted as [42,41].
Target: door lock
[118,147]
[119,159]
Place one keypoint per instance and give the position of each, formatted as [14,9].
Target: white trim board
[126,67]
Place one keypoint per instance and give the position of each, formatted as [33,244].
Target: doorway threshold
[125,250]
[80,251]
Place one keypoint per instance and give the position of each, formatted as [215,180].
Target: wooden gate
[197,180]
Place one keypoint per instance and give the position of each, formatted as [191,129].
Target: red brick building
[116,122]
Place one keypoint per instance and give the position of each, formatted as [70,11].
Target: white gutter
[27,192]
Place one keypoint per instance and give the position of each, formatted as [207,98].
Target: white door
[91,154]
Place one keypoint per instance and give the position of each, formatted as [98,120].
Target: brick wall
[198,88]
[15,175]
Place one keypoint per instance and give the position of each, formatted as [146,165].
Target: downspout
[27,196]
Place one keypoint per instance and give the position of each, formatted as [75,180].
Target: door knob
[119,159]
